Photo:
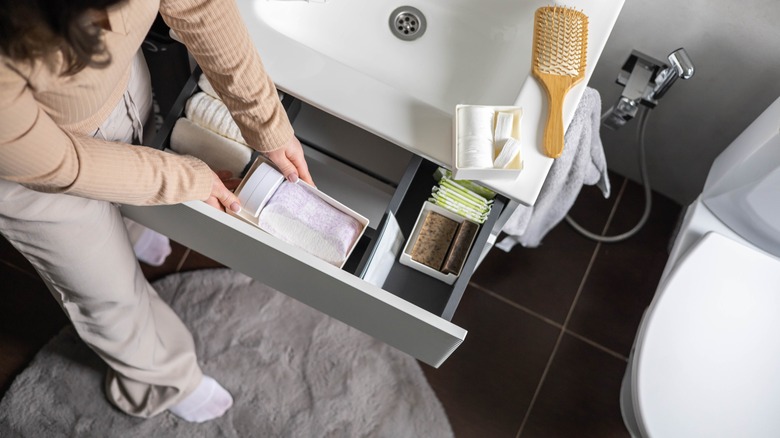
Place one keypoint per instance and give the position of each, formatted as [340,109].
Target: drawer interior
[410,284]
[375,199]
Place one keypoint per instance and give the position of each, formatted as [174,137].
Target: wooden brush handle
[556,88]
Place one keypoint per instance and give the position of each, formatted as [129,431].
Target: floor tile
[546,279]
[591,210]
[580,395]
[487,384]
[624,277]
[543,279]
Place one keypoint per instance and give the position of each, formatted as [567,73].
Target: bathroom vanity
[409,310]
[373,137]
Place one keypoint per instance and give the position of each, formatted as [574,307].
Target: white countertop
[399,116]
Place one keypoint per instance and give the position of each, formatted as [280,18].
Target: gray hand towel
[582,162]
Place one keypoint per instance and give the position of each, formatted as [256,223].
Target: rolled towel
[212,114]
[297,216]
[206,87]
[475,136]
[219,152]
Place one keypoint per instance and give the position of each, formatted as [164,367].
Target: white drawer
[411,312]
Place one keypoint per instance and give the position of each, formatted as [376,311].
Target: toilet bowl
[706,357]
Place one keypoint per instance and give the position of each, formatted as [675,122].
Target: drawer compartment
[414,286]
[411,311]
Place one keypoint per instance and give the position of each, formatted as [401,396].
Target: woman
[73,93]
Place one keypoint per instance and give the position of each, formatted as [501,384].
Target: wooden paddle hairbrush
[559,55]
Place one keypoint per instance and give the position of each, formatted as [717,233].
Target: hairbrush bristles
[560,41]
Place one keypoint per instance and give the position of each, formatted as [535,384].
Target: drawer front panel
[304,277]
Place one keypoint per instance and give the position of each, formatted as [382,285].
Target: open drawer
[411,311]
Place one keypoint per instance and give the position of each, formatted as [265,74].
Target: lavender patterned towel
[301,218]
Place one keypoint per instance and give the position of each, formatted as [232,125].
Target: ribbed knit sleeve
[215,34]
[35,152]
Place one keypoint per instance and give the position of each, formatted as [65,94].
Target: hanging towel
[219,152]
[582,162]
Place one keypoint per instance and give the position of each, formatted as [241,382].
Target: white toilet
[706,359]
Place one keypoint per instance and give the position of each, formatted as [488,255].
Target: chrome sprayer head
[645,80]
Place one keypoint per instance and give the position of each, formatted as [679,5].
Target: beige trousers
[82,252]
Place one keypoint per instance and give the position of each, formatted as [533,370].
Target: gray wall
[735,46]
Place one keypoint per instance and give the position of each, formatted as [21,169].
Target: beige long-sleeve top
[46,118]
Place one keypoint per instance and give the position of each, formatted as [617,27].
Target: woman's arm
[35,152]
[215,34]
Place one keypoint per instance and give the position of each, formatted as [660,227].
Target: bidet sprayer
[645,80]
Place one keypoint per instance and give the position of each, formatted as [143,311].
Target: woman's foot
[209,401]
[149,246]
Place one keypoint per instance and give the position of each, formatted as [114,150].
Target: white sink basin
[342,57]
[464,39]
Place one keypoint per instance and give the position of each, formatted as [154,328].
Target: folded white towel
[582,162]
[219,152]
[206,87]
[211,113]
[297,216]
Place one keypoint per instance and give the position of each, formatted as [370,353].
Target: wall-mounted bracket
[645,80]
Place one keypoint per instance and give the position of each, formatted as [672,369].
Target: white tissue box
[512,171]
[259,185]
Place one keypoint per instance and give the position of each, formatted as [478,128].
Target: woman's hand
[291,162]
[221,196]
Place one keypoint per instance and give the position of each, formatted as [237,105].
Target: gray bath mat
[293,372]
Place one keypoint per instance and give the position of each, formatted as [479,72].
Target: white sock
[209,401]
[149,246]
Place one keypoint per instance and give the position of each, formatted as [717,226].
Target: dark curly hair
[31,29]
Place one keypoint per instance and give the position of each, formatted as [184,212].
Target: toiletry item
[297,215]
[560,51]
[508,152]
[258,188]
[480,132]
[457,198]
[459,249]
[504,125]
[477,189]
[475,137]
[434,240]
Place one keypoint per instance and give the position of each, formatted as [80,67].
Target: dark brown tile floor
[549,328]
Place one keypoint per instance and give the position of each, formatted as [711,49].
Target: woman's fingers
[291,162]
[221,197]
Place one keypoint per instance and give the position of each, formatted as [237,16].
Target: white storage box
[261,182]
[406,254]
[512,171]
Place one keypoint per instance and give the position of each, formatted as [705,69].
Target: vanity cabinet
[410,310]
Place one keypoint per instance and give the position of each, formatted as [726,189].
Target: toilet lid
[708,360]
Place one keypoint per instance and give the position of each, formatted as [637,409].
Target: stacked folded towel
[297,216]
[220,153]
[210,113]
[209,132]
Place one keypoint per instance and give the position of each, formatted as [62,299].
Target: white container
[263,183]
[512,171]
[406,254]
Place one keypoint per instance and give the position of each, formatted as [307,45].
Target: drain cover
[407,23]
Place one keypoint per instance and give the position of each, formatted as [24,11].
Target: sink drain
[407,23]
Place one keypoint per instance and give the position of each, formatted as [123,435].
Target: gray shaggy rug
[293,372]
